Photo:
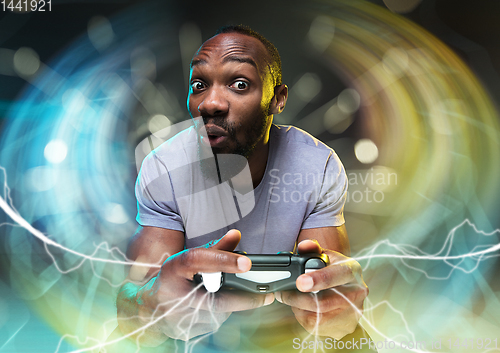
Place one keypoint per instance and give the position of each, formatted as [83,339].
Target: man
[235,88]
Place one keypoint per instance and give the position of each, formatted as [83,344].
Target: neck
[257,162]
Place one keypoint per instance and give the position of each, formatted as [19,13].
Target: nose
[214,102]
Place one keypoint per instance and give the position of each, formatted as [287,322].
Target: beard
[211,166]
[243,148]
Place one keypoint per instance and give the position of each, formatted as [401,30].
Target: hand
[172,304]
[337,308]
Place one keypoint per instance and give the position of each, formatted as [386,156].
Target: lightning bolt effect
[406,252]
[429,250]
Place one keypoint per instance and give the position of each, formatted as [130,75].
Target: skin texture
[170,296]
[231,88]
[336,309]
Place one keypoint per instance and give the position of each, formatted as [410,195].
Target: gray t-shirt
[304,186]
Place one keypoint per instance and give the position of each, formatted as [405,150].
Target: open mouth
[216,139]
[216,135]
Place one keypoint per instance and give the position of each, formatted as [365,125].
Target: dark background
[470,28]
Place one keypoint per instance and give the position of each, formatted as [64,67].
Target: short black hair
[275,65]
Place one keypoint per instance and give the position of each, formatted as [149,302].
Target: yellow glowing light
[366,151]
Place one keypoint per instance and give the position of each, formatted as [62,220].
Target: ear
[279,100]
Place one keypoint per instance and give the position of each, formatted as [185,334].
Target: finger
[342,270]
[187,263]
[330,276]
[229,301]
[224,301]
[228,242]
[336,324]
[333,299]
[309,246]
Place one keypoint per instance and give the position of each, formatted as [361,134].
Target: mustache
[217,121]
[220,122]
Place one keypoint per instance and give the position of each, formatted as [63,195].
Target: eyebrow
[195,62]
[240,59]
[229,58]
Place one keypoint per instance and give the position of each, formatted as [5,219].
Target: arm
[335,311]
[170,304]
[332,238]
[149,245]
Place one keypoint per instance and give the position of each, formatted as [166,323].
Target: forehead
[225,46]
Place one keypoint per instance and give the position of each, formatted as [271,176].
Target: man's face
[231,88]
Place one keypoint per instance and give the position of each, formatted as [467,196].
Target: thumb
[228,242]
[309,246]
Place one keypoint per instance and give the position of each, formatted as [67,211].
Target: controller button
[212,281]
[262,288]
[285,253]
[314,264]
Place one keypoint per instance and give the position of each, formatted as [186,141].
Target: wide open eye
[240,85]
[197,85]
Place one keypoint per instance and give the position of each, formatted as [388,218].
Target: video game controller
[269,273]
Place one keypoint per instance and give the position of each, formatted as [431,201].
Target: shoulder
[299,149]
[175,151]
[298,141]
[294,135]
[183,140]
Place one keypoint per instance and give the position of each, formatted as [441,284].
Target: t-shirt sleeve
[332,193]
[156,204]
